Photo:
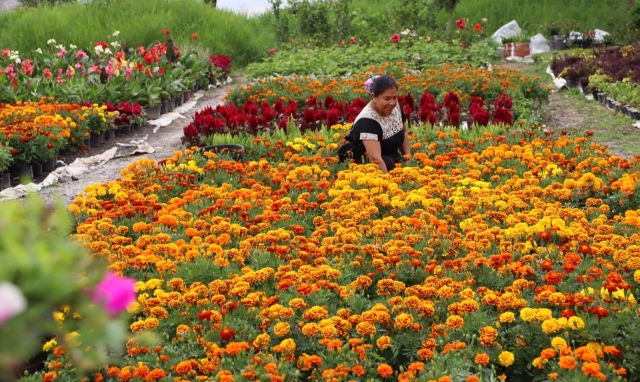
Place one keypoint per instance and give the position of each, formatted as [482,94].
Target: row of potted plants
[106,72]
[253,117]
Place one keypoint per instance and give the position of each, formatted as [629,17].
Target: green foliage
[244,39]
[39,3]
[54,274]
[313,18]
[5,157]
[419,54]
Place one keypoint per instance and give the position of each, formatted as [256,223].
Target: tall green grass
[140,22]
[609,15]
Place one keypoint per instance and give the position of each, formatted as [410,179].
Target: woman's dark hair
[382,84]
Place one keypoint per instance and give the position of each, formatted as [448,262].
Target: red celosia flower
[395,38]
[460,23]
[477,28]
[194,36]
[165,32]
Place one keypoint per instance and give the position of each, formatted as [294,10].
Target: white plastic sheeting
[539,44]
[510,29]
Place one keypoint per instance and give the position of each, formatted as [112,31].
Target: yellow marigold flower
[310,329]
[49,345]
[403,321]
[506,358]
[575,323]
[550,326]
[315,313]
[454,322]
[383,342]
[559,343]
[636,276]
[281,329]
[507,317]
[365,329]
[58,317]
[528,314]
[543,314]
[262,341]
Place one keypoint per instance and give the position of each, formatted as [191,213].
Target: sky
[251,6]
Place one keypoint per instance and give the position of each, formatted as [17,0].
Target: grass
[530,15]
[140,22]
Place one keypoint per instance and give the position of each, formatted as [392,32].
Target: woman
[379,130]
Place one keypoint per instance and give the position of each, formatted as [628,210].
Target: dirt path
[569,109]
[165,141]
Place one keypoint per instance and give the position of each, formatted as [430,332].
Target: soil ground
[165,141]
[569,109]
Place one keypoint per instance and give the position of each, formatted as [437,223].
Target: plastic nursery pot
[87,142]
[37,169]
[95,140]
[111,134]
[171,105]
[583,44]
[558,43]
[49,165]
[21,171]
[125,130]
[163,107]
[153,112]
[5,180]
[237,151]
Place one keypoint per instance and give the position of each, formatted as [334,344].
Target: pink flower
[115,292]
[81,54]
[395,38]
[484,19]
[12,302]
[353,40]
[342,43]
[61,52]
[460,23]
[272,51]
[46,73]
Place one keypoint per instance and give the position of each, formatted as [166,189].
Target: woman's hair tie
[368,85]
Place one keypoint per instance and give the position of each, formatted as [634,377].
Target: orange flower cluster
[494,252]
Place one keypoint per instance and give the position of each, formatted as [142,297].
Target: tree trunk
[450,20]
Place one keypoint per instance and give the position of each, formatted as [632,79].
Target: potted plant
[517,46]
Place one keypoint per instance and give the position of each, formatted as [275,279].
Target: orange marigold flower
[183,367]
[482,359]
[385,370]
[567,362]
[472,378]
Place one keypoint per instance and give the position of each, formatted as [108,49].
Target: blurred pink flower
[353,40]
[81,54]
[115,292]
[12,302]
[484,19]
[272,51]
[395,38]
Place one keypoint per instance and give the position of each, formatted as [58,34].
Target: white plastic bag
[510,29]
[539,44]
[600,34]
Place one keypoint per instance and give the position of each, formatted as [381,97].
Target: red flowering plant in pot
[221,65]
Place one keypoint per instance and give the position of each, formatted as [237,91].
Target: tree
[449,6]
[213,2]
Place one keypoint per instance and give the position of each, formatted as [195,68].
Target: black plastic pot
[21,171]
[95,140]
[236,151]
[558,43]
[49,165]
[125,130]
[111,134]
[163,107]
[87,142]
[5,180]
[583,44]
[154,112]
[37,169]
[171,105]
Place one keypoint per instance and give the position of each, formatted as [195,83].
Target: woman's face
[385,102]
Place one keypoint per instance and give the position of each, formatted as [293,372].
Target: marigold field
[509,254]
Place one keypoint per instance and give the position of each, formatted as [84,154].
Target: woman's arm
[405,148]
[375,154]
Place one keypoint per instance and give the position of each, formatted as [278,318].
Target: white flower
[17,60]
[51,41]
[71,46]
[39,50]
[60,47]
[12,301]
[116,34]
[107,51]
[405,32]
[98,49]
[115,44]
